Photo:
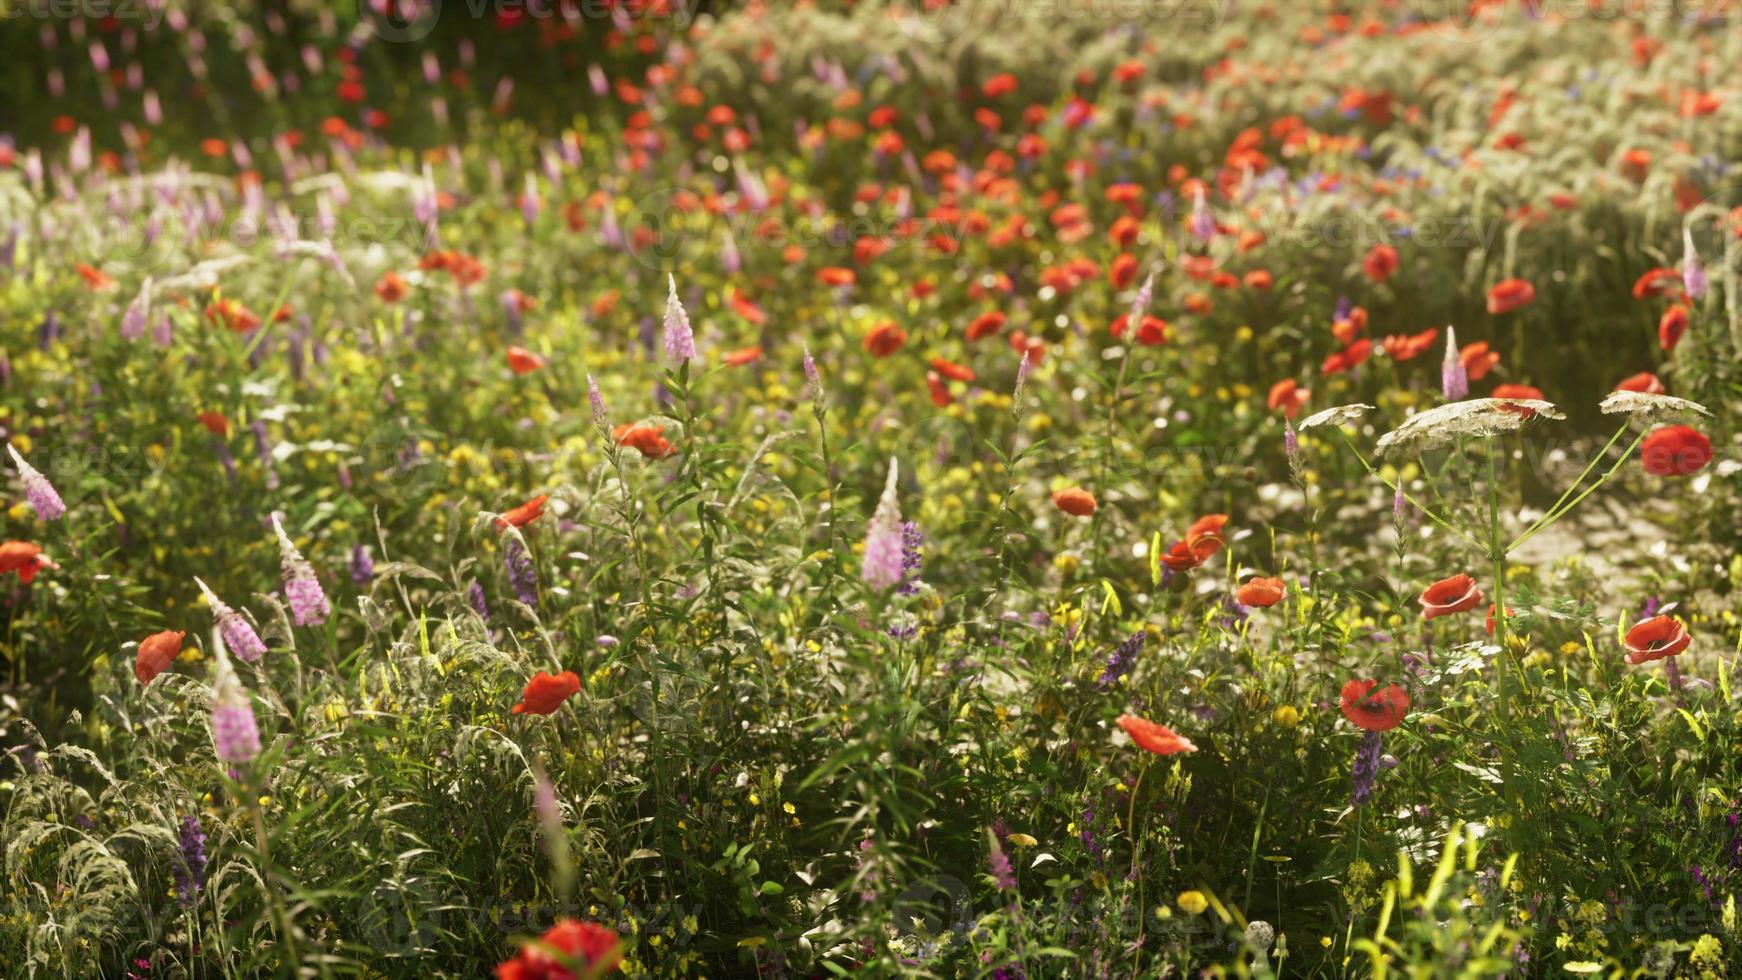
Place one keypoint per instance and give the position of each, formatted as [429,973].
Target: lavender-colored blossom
[1398,502]
[521,573]
[529,202]
[190,872]
[680,340]
[233,628]
[1203,223]
[1290,443]
[1366,768]
[308,604]
[882,566]
[234,732]
[133,319]
[912,541]
[263,451]
[41,493]
[998,863]
[812,377]
[49,332]
[1122,659]
[597,401]
[1140,302]
[1454,380]
[475,598]
[1022,371]
[362,565]
[1694,278]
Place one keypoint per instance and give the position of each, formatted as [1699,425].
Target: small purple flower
[133,319]
[1203,223]
[308,604]
[362,565]
[1290,443]
[49,332]
[596,401]
[813,378]
[680,340]
[882,565]
[1694,278]
[41,493]
[998,863]
[234,731]
[1366,768]
[1122,659]
[912,541]
[235,630]
[190,873]
[1140,302]
[521,573]
[475,598]
[1454,380]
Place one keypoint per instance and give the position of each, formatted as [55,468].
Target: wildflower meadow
[994,489]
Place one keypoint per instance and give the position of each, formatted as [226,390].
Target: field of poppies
[1004,489]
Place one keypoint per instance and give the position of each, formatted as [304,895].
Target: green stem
[1549,516]
[1418,505]
[1550,519]
[1497,553]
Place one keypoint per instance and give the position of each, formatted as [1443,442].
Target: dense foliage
[979,490]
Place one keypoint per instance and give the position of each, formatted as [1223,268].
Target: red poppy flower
[156,653]
[1657,282]
[231,313]
[1348,327]
[940,392]
[1510,294]
[743,356]
[567,947]
[1509,391]
[523,361]
[1263,592]
[1448,596]
[1380,263]
[1075,501]
[1655,639]
[390,288]
[1671,326]
[1489,624]
[986,324]
[1477,360]
[1675,450]
[836,276]
[546,692]
[1406,347]
[1152,332]
[93,276]
[1644,381]
[649,439]
[885,339]
[1288,397]
[1259,279]
[1203,539]
[1152,737]
[1122,271]
[215,423]
[24,558]
[1375,710]
[523,515]
[1348,358]
[952,370]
